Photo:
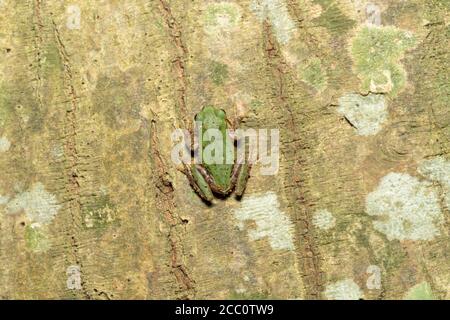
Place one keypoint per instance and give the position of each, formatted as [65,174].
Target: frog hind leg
[240,177]
[198,183]
[241,169]
[213,185]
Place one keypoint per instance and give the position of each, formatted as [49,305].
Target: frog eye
[221,114]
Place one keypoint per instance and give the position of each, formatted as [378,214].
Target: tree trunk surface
[93,207]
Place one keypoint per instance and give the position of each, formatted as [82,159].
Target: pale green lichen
[437,169]
[366,113]
[219,72]
[377,52]
[39,205]
[51,60]
[36,240]
[343,290]
[421,291]
[100,213]
[334,19]
[255,104]
[409,209]
[270,221]
[278,15]
[237,295]
[314,74]
[221,15]
[323,219]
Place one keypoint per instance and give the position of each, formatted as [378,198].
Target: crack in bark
[180,59]
[165,203]
[308,253]
[72,154]
[38,25]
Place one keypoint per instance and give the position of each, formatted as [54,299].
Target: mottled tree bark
[92,206]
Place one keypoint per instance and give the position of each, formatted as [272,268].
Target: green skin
[220,179]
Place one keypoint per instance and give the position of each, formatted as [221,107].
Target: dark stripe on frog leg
[235,173]
[240,171]
[243,175]
[212,184]
[187,171]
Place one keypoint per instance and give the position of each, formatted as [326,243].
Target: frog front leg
[198,182]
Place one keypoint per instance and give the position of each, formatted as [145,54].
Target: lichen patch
[5,144]
[421,291]
[39,205]
[270,221]
[277,13]
[323,219]
[343,290]
[314,74]
[366,113]
[377,52]
[220,18]
[437,169]
[36,240]
[405,207]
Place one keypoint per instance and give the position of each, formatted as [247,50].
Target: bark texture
[92,207]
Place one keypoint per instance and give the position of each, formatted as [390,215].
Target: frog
[211,180]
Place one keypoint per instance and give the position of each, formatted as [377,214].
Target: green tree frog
[209,179]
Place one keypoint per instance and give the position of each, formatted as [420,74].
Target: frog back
[213,118]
